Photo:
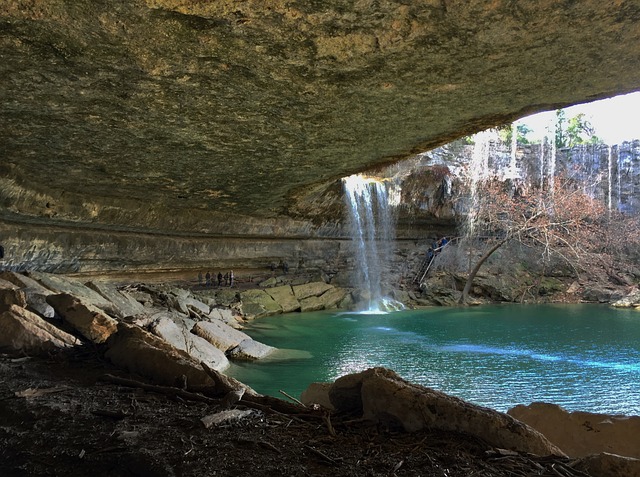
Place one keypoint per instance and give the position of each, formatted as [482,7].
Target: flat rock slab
[71,286]
[285,297]
[310,289]
[24,332]
[219,334]
[90,321]
[121,305]
[251,349]
[178,335]
[140,352]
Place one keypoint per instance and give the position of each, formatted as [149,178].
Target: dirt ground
[59,417]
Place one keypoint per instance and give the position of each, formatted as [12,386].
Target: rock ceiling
[200,107]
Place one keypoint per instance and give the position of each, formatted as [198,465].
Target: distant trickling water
[372,223]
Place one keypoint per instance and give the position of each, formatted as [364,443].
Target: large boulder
[250,349]
[333,297]
[380,395]
[284,297]
[24,332]
[178,335]
[142,353]
[224,315]
[61,284]
[220,335]
[310,289]
[579,433]
[90,321]
[312,303]
[608,465]
[258,303]
[121,305]
[36,294]
[631,300]
[12,296]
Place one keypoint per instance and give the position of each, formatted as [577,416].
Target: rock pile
[158,333]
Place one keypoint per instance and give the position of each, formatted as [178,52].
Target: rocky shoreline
[183,339]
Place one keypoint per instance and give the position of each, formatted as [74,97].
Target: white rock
[199,349]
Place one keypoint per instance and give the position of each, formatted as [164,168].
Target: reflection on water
[584,357]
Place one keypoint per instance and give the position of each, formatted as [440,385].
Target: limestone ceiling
[239,106]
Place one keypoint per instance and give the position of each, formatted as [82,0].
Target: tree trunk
[476,268]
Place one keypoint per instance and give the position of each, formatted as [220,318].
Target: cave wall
[176,118]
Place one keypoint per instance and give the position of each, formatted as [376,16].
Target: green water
[582,357]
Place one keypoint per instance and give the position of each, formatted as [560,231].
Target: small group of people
[436,247]
[208,279]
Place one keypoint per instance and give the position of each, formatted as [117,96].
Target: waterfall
[476,172]
[609,178]
[372,224]
[551,171]
[544,139]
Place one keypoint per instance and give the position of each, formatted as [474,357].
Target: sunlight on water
[580,357]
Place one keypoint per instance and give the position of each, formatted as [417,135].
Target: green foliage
[574,131]
[506,133]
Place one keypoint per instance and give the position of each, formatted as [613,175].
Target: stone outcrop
[250,349]
[285,297]
[609,465]
[142,353]
[25,333]
[121,305]
[36,294]
[219,334]
[580,434]
[90,321]
[632,300]
[255,110]
[176,333]
[380,395]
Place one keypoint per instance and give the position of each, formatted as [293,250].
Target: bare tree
[561,219]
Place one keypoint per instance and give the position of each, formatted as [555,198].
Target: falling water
[544,139]
[610,173]
[373,234]
[513,172]
[551,171]
[477,171]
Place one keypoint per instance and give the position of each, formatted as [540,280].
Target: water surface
[582,357]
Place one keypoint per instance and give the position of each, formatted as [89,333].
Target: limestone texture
[383,396]
[130,130]
[88,320]
[25,333]
[579,433]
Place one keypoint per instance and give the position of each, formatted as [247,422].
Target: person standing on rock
[219,279]
[230,278]
[226,279]
[208,278]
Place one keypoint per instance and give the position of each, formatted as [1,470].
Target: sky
[615,119]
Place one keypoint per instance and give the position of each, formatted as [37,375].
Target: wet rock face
[169,114]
